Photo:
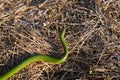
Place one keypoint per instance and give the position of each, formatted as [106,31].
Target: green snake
[39,58]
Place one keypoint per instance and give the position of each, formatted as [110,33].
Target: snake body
[39,58]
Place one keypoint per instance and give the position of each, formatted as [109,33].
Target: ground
[30,27]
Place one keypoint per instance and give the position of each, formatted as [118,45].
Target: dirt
[31,27]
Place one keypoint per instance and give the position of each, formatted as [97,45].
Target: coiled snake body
[39,58]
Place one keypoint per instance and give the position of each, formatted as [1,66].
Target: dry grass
[30,27]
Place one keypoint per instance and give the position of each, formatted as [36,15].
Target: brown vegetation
[30,27]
